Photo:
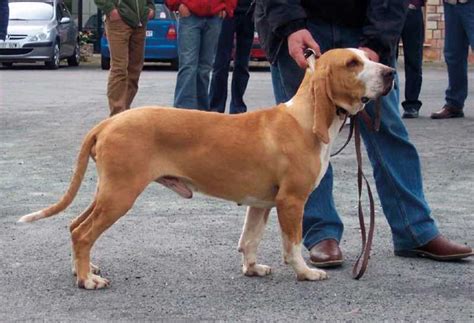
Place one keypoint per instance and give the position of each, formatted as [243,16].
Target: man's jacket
[204,8]
[381,21]
[133,12]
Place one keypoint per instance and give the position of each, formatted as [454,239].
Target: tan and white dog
[263,159]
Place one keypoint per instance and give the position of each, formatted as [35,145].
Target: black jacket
[243,7]
[381,21]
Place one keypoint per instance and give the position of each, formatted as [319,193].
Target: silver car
[40,31]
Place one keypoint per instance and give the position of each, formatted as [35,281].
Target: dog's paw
[257,270]
[94,269]
[312,274]
[93,282]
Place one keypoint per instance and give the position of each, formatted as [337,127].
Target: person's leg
[207,53]
[136,55]
[244,31]
[412,38]
[277,85]
[467,17]
[320,221]
[118,36]
[220,69]
[398,179]
[396,168]
[189,43]
[4,16]
[456,49]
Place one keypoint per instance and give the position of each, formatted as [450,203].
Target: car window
[59,13]
[64,11]
[30,11]
[162,12]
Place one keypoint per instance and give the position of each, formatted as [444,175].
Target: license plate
[149,33]
[9,45]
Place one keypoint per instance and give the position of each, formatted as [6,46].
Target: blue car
[161,39]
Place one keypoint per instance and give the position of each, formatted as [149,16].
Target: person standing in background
[459,35]
[413,36]
[4,16]
[241,25]
[199,25]
[125,27]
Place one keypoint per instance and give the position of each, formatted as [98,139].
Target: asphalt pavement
[176,259]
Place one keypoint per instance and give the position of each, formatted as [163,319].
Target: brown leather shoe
[440,248]
[447,112]
[326,254]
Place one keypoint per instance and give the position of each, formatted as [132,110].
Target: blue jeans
[197,42]
[4,14]
[241,26]
[277,84]
[459,22]
[395,162]
[413,35]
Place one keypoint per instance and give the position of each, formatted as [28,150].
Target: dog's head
[347,79]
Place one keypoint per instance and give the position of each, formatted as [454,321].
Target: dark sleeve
[383,26]
[284,16]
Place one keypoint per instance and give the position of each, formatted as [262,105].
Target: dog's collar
[341,112]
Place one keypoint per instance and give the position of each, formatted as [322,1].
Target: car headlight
[39,37]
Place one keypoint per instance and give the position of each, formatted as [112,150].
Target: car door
[71,29]
[64,42]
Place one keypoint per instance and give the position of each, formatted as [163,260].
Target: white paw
[93,282]
[93,268]
[257,270]
[312,274]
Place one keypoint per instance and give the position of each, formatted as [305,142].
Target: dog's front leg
[290,215]
[255,221]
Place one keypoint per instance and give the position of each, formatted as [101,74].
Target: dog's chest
[325,152]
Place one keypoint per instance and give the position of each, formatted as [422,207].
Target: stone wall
[434,32]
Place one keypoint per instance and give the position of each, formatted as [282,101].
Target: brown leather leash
[362,261]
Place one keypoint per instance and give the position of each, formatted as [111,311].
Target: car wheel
[175,64]
[76,56]
[53,63]
[8,65]
[104,62]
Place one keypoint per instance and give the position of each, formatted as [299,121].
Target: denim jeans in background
[241,25]
[277,84]
[4,15]
[197,42]
[413,35]
[395,161]
[459,24]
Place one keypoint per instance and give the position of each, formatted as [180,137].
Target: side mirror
[65,20]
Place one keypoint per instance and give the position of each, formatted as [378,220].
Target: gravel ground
[176,259]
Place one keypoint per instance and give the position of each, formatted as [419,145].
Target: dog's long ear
[323,105]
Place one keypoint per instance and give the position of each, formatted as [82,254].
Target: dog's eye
[352,63]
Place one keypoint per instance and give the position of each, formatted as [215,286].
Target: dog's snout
[388,76]
[389,73]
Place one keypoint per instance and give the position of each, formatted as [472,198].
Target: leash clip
[308,52]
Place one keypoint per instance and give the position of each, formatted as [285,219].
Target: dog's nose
[389,74]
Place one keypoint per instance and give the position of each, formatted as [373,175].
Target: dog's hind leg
[74,224]
[255,221]
[113,201]
[290,216]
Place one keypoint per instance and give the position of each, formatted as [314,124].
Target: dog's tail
[77,177]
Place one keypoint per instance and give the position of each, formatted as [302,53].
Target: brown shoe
[440,248]
[447,112]
[326,254]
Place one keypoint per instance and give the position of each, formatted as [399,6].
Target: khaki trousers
[127,46]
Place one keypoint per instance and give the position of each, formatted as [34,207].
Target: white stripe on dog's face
[371,75]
